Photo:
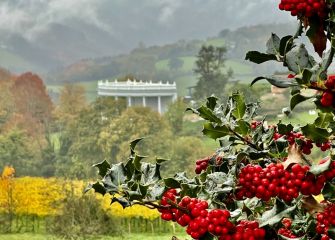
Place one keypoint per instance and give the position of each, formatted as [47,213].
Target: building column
[144,101]
[159,105]
[175,97]
[129,101]
[116,98]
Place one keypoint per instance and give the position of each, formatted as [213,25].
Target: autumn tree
[133,123]
[79,141]
[32,102]
[72,101]
[209,69]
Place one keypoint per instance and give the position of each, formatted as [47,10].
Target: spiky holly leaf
[102,167]
[276,213]
[257,57]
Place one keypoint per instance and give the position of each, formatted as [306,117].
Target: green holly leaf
[211,102]
[298,58]
[215,132]
[305,77]
[275,214]
[150,173]
[314,133]
[257,57]
[97,187]
[284,128]
[133,145]
[171,183]
[137,162]
[297,99]
[323,120]
[122,201]
[240,107]
[277,81]
[320,168]
[328,191]
[155,192]
[273,44]
[286,45]
[115,177]
[103,167]
[205,113]
[242,127]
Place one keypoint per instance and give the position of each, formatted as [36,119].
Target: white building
[138,93]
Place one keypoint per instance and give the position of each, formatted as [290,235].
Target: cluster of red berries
[194,214]
[286,230]
[327,98]
[304,8]
[255,124]
[306,144]
[201,165]
[246,230]
[275,181]
[325,220]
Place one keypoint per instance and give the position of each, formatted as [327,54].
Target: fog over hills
[48,34]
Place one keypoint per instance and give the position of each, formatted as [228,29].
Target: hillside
[154,62]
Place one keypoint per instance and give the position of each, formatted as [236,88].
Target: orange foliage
[32,102]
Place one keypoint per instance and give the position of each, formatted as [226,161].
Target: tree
[175,116]
[175,63]
[209,66]
[134,123]
[262,182]
[79,141]
[32,102]
[72,101]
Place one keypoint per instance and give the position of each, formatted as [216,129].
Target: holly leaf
[277,81]
[257,57]
[240,106]
[102,167]
[320,168]
[275,214]
[283,128]
[133,145]
[211,102]
[122,201]
[328,191]
[298,58]
[98,188]
[150,173]
[285,45]
[294,156]
[242,127]
[323,120]
[215,132]
[297,99]
[273,44]
[205,113]
[317,134]
[155,192]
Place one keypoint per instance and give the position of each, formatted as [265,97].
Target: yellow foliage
[135,211]
[43,197]
[8,172]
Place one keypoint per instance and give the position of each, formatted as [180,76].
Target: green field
[146,236]
[189,63]
[216,42]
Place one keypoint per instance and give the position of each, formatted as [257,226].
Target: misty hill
[50,35]
[156,62]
